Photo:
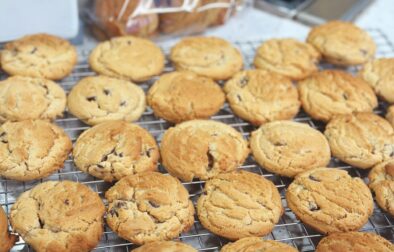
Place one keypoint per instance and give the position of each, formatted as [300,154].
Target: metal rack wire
[288,230]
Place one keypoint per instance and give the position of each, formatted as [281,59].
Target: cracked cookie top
[354,242]
[127,57]
[379,74]
[97,99]
[7,241]
[239,204]
[361,139]
[24,98]
[32,149]
[115,149]
[207,56]
[165,246]
[329,200]
[260,96]
[331,92]
[39,55]
[148,207]
[202,149]
[342,43]
[256,244]
[288,148]
[59,216]
[381,181]
[288,57]
[182,96]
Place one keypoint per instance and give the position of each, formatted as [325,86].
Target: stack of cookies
[149,208]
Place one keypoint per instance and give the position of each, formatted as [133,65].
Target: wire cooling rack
[288,230]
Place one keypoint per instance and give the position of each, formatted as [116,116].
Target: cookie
[380,75]
[127,57]
[165,246]
[148,207]
[289,57]
[288,148]
[59,216]
[115,149]
[239,204]
[354,242]
[40,55]
[329,200]
[183,96]
[342,43]
[254,244]
[202,149]
[260,96]
[32,149]
[98,99]
[23,98]
[7,240]
[207,56]
[331,92]
[390,115]
[381,181]
[361,140]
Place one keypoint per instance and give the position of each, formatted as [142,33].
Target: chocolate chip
[113,212]
[91,98]
[243,81]
[3,134]
[34,50]
[280,143]
[67,202]
[313,206]
[107,92]
[211,160]
[239,97]
[314,178]
[120,154]
[153,204]
[100,166]
[123,103]
[344,95]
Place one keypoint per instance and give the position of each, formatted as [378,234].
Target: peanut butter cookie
[381,181]
[165,246]
[255,244]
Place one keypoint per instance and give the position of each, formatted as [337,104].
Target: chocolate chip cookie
[288,148]
[254,244]
[342,43]
[239,204]
[381,181]
[98,99]
[288,57]
[148,207]
[361,139]
[59,216]
[331,92]
[207,56]
[165,246]
[40,55]
[32,149]
[24,98]
[182,96]
[260,96]
[127,57]
[202,149]
[329,200]
[115,149]
[7,240]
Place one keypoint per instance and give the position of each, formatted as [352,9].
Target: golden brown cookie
[59,216]
[288,148]
[256,244]
[165,246]
[7,240]
[40,55]
[381,181]
[24,98]
[115,149]
[208,56]
[288,57]
[148,207]
[182,96]
[342,43]
[239,204]
[329,200]
[354,242]
[331,92]
[202,149]
[98,99]
[362,139]
[260,96]
[32,149]
[390,115]
[127,57]
[379,74]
